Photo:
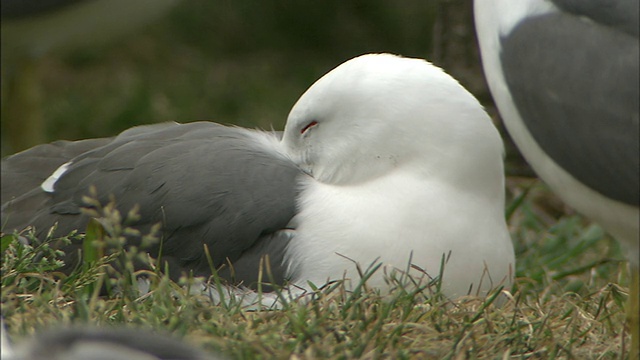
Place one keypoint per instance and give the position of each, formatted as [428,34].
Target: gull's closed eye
[308,126]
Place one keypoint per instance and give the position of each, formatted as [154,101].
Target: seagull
[565,77]
[384,160]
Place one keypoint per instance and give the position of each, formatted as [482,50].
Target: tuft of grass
[568,302]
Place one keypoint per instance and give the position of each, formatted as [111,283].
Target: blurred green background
[240,62]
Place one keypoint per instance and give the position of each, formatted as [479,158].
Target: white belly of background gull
[383,159]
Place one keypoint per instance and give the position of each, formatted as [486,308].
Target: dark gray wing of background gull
[622,15]
[92,343]
[579,97]
[206,183]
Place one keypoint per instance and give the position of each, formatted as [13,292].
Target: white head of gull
[405,164]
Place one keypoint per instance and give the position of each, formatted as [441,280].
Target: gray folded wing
[28,169]
[575,83]
[207,184]
[623,15]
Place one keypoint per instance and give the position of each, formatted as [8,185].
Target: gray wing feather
[26,170]
[209,185]
[61,343]
[621,14]
[576,86]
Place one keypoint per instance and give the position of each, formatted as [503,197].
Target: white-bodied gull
[383,159]
[565,77]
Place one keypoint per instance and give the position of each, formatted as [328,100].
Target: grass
[567,303]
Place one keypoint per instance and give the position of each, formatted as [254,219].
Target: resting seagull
[384,159]
[565,77]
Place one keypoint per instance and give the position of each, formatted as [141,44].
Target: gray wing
[23,173]
[621,14]
[123,343]
[209,185]
[26,170]
[576,85]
